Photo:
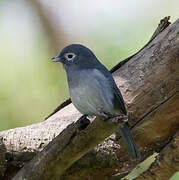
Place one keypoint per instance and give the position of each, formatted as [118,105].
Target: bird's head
[76,55]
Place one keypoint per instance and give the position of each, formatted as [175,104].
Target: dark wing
[118,99]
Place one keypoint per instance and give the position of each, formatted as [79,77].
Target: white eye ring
[70,56]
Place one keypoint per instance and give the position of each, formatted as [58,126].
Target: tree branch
[149,85]
[65,149]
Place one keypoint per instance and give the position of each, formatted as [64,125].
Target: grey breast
[90,92]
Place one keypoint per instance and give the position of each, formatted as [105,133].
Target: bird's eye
[70,56]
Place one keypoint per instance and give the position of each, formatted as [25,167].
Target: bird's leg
[103,114]
[83,122]
[119,119]
[115,118]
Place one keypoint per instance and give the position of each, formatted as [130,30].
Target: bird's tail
[130,142]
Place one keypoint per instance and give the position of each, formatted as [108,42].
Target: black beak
[56,59]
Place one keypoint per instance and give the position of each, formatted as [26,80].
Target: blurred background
[33,31]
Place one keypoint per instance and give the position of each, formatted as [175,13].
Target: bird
[93,90]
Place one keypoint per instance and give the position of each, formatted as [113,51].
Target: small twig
[164,23]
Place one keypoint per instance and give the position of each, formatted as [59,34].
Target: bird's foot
[104,114]
[118,119]
[83,122]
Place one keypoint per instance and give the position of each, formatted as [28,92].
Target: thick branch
[152,133]
[65,149]
[149,85]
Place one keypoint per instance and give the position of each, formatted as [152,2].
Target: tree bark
[166,164]
[149,84]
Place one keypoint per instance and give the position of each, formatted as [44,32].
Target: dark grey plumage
[93,90]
